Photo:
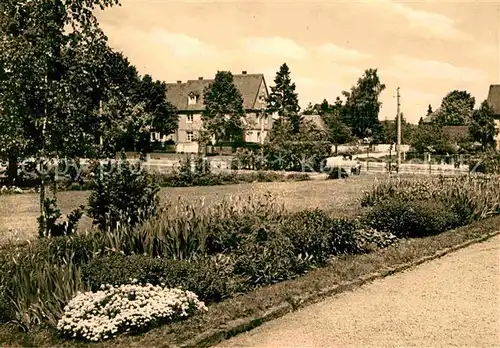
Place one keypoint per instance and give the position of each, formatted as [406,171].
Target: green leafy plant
[211,278]
[55,228]
[267,258]
[123,193]
[38,291]
[412,218]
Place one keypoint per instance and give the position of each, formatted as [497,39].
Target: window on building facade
[189,118]
[189,136]
[192,99]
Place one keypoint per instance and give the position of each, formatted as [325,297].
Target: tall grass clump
[189,229]
[469,198]
[34,289]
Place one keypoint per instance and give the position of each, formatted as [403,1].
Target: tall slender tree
[283,99]
[362,104]
[50,54]
[224,112]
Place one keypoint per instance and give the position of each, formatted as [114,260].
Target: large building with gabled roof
[187,97]
[494,103]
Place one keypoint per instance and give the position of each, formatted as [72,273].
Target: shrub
[412,218]
[80,247]
[369,239]
[298,177]
[123,193]
[246,159]
[267,258]
[210,278]
[310,233]
[127,308]
[475,197]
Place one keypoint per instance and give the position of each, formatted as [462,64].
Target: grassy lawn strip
[340,269]
[18,213]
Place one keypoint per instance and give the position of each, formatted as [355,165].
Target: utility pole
[399,135]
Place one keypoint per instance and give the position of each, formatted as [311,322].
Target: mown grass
[18,213]
[340,269]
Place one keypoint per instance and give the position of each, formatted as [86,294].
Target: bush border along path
[247,311]
[235,327]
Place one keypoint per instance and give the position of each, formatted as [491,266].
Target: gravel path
[450,302]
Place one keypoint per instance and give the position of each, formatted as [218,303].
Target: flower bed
[95,316]
[216,252]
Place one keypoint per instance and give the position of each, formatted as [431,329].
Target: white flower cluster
[11,189]
[94,316]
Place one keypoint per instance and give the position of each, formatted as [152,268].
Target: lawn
[18,213]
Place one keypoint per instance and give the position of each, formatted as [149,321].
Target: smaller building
[316,120]
[494,103]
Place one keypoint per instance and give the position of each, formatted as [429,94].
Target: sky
[427,48]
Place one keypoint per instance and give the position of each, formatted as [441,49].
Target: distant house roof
[456,133]
[429,118]
[247,84]
[494,99]
[317,120]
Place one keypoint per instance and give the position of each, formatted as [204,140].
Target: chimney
[244,72]
[200,78]
[179,82]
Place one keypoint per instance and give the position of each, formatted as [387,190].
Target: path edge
[237,326]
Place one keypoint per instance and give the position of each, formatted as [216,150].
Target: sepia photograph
[266,174]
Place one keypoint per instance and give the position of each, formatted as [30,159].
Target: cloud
[411,68]
[275,46]
[435,24]
[340,53]
[183,46]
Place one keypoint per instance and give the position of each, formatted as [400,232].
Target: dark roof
[456,133]
[494,99]
[247,84]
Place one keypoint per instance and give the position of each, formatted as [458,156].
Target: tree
[224,111]
[482,128]
[154,95]
[338,132]
[143,98]
[283,99]
[362,105]
[50,54]
[429,110]
[431,137]
[305,150]
[456,109]
[310,109]
[318,109]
